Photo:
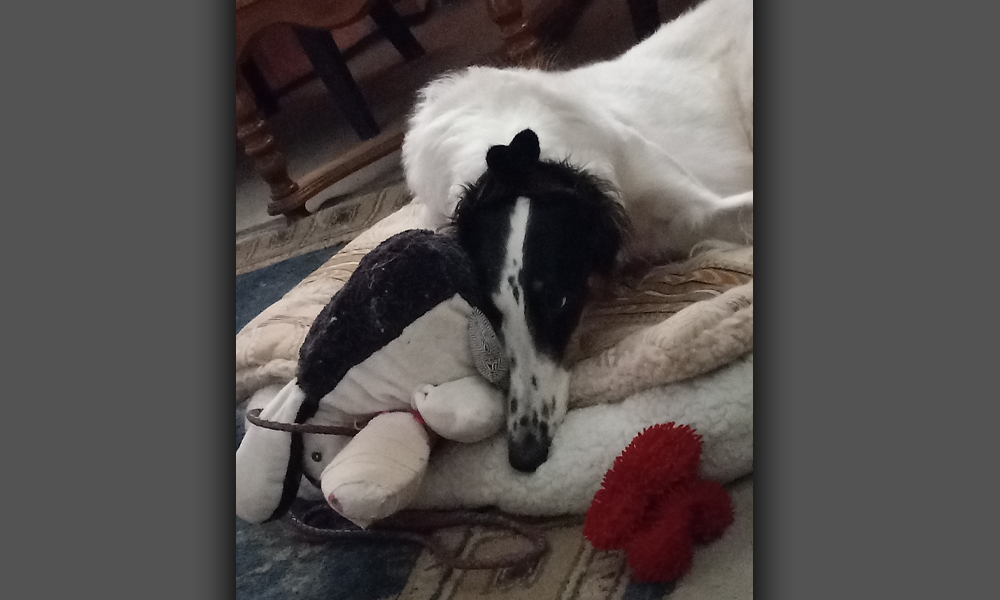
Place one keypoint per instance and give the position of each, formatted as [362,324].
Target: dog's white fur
[669,124]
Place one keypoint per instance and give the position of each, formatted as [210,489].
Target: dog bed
[675,346]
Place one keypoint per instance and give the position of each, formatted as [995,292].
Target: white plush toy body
[402,349]
[373,474]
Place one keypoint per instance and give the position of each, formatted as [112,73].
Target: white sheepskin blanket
[719,406]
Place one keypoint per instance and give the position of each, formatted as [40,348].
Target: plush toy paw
[379,471]
[652,504]
[467,410]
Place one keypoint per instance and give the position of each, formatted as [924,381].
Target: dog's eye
[317,457]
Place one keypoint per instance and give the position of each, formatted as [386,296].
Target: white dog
[555,177]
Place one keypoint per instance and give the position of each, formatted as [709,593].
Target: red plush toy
[653,505]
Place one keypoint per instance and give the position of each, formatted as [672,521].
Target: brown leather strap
[254,417]
[420,526]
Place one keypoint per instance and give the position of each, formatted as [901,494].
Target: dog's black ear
[608,231]
[525,147]
[513,159]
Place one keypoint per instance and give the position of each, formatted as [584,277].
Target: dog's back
[686,91]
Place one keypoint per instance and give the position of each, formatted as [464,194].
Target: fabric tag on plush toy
[487,352]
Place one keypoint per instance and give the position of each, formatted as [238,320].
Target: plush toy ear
[512,160]
[269,462]
[467,410]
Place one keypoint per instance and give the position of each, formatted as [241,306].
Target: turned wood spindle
[259,144]
[520,42]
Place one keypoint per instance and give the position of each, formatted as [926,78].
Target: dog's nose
[527,452]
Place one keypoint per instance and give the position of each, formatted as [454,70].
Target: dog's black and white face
[538,232]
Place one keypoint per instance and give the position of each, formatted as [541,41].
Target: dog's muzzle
[528,449]
[537,400]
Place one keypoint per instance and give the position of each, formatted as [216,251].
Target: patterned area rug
[329,226]
[273,561]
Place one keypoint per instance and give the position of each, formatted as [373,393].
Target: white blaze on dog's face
[537,232]
[539,384]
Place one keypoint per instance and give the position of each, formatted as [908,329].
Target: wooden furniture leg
[395,29]
[316,18]
[259,144]
[265,98]
[521,44]
[331,67]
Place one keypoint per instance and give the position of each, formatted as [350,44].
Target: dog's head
[539,231]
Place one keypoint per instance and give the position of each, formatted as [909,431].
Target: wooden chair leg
[331,67]
[396,30]
[645,17]
[259,144]
[264,96]
[521,43]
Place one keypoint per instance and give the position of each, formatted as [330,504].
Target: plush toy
[402,350]
[652,505]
